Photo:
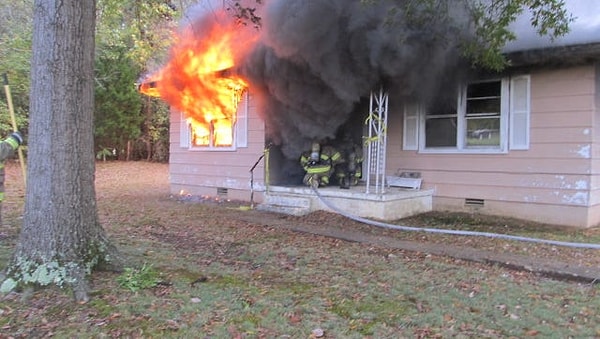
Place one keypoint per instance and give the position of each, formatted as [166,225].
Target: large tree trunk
[61,240]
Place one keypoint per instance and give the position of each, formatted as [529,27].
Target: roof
[565,55]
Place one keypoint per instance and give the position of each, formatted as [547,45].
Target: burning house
[435,134]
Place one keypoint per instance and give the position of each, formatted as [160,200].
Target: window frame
[239,130]
[461,128]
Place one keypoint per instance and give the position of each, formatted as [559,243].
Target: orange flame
[198,79]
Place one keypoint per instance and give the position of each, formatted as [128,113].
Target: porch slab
[395,203]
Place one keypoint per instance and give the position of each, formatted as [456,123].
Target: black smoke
[317,59]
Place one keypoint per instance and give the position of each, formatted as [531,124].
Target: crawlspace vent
[474,202]
[222,191]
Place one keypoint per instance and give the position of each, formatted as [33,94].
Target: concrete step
[394,204]
[282,199]
[286,204]
[289,210]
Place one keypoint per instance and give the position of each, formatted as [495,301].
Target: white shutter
[410,133]
[519,112]
[184,132]
[241,122]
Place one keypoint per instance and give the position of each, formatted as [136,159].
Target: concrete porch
[395,203]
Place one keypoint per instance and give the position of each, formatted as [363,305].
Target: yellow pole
[13,120]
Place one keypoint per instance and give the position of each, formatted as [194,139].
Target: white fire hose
[454,232]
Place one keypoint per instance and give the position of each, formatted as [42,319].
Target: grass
[228,279]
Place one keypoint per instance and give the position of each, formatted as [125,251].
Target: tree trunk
[61,240]
[149,150]
[128,154]
[147,128]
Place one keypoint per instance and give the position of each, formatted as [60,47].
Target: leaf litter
[241,273]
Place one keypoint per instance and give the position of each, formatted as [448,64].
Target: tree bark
[61,240]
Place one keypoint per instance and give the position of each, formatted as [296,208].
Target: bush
[135,279]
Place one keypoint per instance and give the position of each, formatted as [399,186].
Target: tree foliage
[15,54]
[135,34]
[492,22]
[132,32]
[118,104]
[489,21]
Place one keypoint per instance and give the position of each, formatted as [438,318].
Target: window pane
[483,106]
[222,132]
[217,133]
[443,108]
[440,132]
[200,135]
[484,89]
[484,98]
[483,132]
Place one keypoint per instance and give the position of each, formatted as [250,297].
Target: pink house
[524,143]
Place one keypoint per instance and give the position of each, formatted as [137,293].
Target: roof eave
[570,55]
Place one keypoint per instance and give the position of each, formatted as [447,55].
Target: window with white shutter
[410,133]
[519,113]
[489,116]
[184,132]
[225,134]
[241,122]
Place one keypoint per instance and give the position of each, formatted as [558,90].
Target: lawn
[213,274]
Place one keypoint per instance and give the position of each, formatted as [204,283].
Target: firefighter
[319,164]
[7,149]
[350,172]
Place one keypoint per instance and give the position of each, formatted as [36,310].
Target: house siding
[594,211]
[211,173]
[555,181]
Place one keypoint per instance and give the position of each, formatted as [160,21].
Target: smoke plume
[316,59]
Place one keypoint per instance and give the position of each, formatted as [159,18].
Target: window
[482,114]
[474,119]
[217,134]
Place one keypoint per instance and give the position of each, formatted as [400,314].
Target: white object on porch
[410,180]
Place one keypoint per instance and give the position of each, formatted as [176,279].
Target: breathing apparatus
[315,153]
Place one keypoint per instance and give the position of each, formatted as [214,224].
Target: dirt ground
[141,181]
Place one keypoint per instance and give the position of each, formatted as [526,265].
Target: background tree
[118,104]
[138,33]
[131,31]
[61,240]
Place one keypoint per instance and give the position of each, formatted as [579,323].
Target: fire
[198,80]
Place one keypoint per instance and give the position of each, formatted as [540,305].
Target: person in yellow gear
[319,164]
[7,149]
[350,172]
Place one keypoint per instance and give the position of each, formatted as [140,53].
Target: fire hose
[13,120]
[453,232]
